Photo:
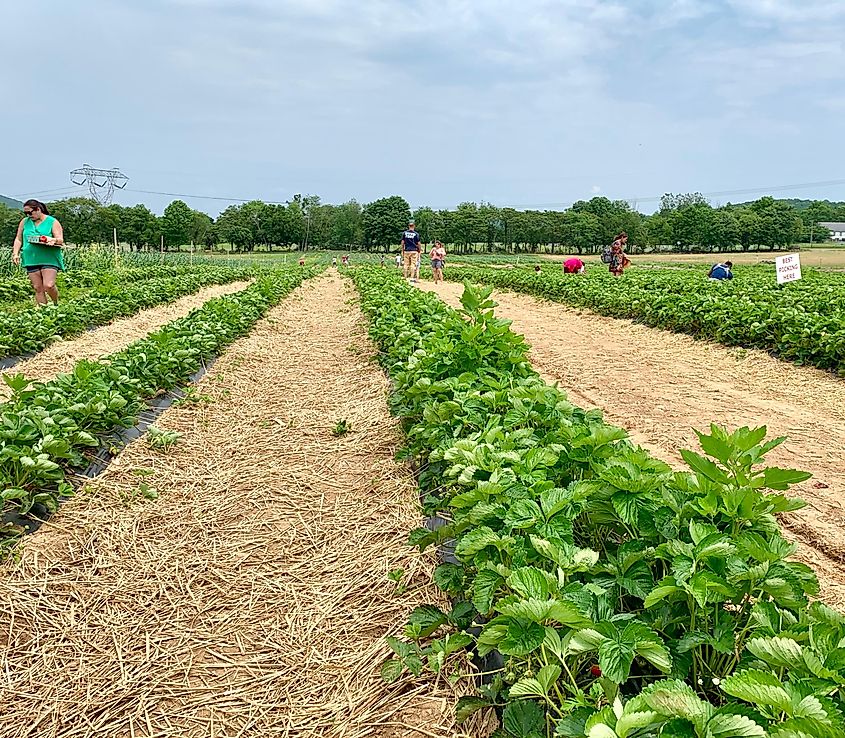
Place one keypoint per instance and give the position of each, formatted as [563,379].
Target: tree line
[686,222]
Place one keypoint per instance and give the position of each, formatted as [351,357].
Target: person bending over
[721,271]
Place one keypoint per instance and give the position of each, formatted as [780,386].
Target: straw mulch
[251,598]
[63,355]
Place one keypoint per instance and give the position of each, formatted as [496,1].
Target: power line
[206,197]
[57,190]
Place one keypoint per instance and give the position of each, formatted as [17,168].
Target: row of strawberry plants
[625,599]
[800,322]
[32,329]
[46,427]
[18,287]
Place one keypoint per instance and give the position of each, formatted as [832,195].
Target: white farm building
[837,230]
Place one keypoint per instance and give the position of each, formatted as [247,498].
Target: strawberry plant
[622,598]
[31,329]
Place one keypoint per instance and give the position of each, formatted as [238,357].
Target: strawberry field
[623,599]
[50,427]
[257,561]
[800,322]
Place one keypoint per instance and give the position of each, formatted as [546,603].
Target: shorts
[437,263]
[38,268]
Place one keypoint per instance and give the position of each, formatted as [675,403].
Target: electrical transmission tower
[101,183]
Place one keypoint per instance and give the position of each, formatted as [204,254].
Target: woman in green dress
[38,246]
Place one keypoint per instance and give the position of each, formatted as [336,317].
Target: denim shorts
[33,269]
[437,263]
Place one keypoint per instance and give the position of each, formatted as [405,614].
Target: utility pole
[101,183]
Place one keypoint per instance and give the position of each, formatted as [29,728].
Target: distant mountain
[10,203]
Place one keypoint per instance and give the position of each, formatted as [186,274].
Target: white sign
[788,268]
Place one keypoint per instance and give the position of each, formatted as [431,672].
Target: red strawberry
[43,239]
[595,670]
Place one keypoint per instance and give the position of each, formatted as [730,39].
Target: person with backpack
[719,272]
[615,257]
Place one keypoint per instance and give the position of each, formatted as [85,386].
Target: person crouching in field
[410,245]
[619,260]
[38,247]
[721,271]
[438,260]
[573,265]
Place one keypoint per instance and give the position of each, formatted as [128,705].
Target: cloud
[441,101]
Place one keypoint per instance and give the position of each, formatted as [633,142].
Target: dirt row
[660,386]
[62,356]
[237,583]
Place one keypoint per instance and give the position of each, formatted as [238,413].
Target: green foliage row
[46,426]
[18,286]
[626,600]
[801,321]
[34,328]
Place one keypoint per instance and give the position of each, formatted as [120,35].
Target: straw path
[660,385]
[62,356]
[251,598]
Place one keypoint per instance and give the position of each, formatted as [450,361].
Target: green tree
[657,231]
[671,201]
[176,224]
[202,228]
[287,223]
[138,227]
[691,225]
[465,226]
[105,221]
[778,224]
[78,216]
[234,229]
[747,227]
[427,222]
[346,226]
[9,220]
[581,231]
[384,220]
[723,234]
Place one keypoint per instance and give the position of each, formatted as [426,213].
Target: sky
[521,103]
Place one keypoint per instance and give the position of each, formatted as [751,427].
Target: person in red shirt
[573,265]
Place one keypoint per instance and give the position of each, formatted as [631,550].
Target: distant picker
[410,245]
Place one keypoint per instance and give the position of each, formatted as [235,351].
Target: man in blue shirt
[721,271]
[410,251]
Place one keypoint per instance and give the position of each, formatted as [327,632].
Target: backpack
[607,255]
